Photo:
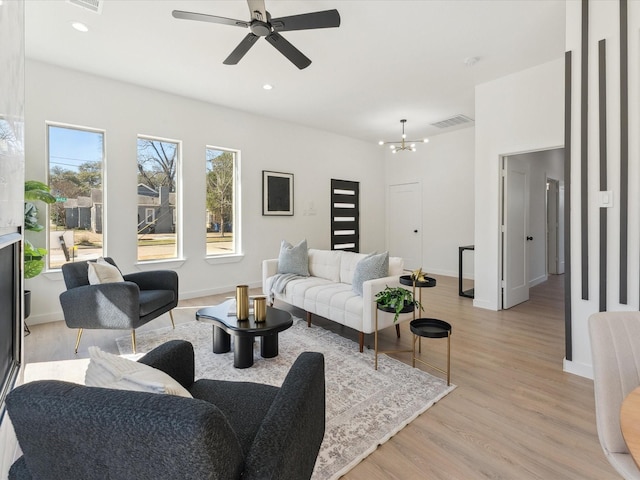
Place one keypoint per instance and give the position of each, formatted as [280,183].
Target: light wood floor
[514,414]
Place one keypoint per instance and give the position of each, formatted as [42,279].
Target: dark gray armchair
[128,305]
[229,430]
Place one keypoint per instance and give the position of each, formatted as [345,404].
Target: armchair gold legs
[133,334]
[78,339]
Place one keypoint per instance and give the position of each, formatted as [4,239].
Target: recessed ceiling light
[81,27]
[266,86]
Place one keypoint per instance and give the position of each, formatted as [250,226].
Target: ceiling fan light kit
[403,144]
[262,25]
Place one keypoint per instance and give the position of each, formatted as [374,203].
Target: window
[76,159]
[157,198]
[222,218]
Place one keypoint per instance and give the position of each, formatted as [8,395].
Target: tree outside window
[157,199]
[221,166]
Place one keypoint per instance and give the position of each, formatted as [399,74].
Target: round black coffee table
[432,328]
[244,332]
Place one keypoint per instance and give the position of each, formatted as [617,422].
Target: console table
[464,293]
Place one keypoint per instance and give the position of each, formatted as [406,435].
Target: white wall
[519,113]
[603,24]
[445,169]
[124,111]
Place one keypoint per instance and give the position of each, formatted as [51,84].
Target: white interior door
[515,259]
[404,223]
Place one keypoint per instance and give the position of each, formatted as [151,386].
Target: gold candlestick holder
[242,302]
[260,309]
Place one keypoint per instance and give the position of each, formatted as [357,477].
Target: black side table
[432,328]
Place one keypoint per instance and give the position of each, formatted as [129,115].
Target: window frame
[103,177]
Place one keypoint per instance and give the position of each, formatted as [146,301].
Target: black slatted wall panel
[567,206]
[584,152]
[602,121]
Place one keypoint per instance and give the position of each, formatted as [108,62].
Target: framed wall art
[277,193]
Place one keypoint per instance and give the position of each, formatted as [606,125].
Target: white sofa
[328,293]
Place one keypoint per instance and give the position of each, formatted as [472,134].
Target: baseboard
[580,369]
[216,291]
[58,316]
[538,281]
[484,304]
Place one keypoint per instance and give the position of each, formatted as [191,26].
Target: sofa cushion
[348,263]
[369,268]
[111,371]
[325,264]
[294,259]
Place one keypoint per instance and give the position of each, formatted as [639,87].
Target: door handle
[415,231]
[529,238]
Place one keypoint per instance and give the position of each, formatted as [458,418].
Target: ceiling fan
[262,25]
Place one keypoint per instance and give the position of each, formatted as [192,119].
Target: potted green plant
[33,256]
[397,300]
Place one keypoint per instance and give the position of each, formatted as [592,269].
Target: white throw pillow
[369,268]
[111,371]
[294,259]
[102,271]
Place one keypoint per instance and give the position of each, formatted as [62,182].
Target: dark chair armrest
[288,441]
[176,359]
[107,305]
[156,280]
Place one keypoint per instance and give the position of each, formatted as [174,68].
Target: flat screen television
[10,314]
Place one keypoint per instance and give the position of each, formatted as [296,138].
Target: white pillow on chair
[102,271]
[111,371]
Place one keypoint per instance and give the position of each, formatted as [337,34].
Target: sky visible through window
[69,148]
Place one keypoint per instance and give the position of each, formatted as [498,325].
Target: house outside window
[75,226]
[158,193]
[222,216]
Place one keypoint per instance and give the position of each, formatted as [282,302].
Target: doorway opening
[531,234]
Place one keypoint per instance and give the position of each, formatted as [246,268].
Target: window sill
[221,259]
[151,265]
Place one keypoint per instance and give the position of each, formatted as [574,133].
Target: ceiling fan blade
[258,10]
[307,21]
[242,48]
[201,17]
[292,53]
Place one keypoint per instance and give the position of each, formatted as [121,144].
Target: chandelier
[403,144]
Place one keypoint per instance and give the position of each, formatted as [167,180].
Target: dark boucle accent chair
[229,430]
[128,305]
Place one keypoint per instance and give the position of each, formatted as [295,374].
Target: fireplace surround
[11,339]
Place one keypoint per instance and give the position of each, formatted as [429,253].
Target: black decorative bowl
[407,280]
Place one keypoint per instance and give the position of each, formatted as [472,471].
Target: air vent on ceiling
[453,121]
[93,5]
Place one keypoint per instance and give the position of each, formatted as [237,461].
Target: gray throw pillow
[370,267]
[294,259]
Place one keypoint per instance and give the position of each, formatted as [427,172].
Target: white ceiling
[389,59]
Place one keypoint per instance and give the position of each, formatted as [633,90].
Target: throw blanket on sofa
[279,283]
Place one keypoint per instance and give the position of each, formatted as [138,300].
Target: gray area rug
[365,407]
